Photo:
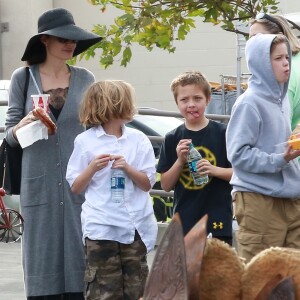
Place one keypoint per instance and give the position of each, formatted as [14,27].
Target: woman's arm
[16,116]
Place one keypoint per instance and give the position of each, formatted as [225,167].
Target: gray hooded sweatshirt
[259,122]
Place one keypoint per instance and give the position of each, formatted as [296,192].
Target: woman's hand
[29,118]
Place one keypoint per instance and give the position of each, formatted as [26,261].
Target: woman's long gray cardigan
[52,248]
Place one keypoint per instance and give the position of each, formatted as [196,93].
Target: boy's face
[191,102]
[280,62]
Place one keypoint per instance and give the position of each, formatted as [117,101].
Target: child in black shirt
[192,94]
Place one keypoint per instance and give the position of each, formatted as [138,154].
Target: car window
[159,124]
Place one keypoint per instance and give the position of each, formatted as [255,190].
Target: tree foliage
[158,23]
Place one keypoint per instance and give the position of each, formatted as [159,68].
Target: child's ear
[208,100]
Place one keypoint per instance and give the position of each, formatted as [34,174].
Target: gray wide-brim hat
[59,22]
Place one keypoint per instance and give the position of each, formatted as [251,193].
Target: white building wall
[207,48]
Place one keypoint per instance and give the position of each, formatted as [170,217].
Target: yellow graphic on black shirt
[217,226]
[186,178]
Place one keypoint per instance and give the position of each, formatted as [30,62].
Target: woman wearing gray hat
[52,248]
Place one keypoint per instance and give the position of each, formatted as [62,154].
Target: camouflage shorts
[115,271]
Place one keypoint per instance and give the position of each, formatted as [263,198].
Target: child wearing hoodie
[266,175]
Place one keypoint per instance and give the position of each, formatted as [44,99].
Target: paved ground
[11,282]
[11,276]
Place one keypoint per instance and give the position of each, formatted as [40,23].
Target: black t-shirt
[213,198]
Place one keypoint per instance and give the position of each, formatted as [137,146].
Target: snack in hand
[294,141]
[45,119]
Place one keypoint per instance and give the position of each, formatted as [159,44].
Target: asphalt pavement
[11,273]
[11,278]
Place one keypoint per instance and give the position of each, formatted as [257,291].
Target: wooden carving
[284,290]
[269,287]
[197,268]
[167,279]
[266,265]
[195,242]
[278,288]
[221,272]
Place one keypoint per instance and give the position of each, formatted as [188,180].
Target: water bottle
[117,185]
[193,157]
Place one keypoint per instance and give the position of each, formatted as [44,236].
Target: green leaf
[126,56]
[182,32]
[107,60]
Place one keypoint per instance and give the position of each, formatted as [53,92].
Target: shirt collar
[100,132]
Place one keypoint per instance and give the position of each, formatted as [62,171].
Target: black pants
[68,296]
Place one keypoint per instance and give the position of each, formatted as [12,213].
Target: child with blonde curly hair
[117,236]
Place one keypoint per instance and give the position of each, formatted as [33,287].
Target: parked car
[14,200]
[4,85]
[157,126]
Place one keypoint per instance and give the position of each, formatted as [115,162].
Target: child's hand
[182,150]
[99,162]
[290,154]
[119,162]
[205,167]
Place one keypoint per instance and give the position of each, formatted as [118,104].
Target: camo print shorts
[115,271]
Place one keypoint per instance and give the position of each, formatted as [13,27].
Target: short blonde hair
[273,28]
[107,100]
[191,78]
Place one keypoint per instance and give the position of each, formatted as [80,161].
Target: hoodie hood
[258,59]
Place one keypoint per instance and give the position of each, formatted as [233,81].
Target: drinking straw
[34,81]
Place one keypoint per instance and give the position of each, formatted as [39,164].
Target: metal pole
[238,67]
[241,43]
